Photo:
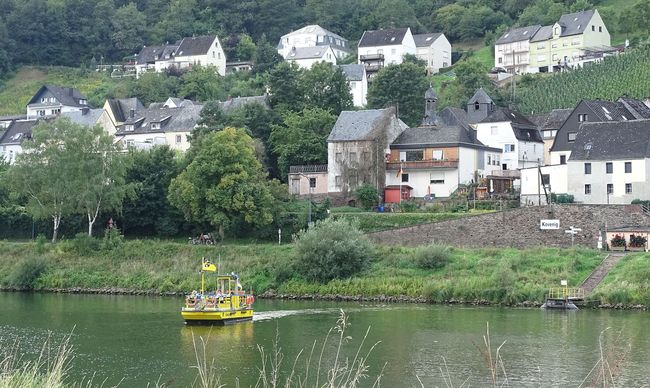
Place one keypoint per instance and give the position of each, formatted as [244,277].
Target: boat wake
[269,315]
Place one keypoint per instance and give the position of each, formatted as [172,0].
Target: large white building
[185,53]
[313,35]
[306,57]
[434,49]
[52,100]
[358,83]
[381,48]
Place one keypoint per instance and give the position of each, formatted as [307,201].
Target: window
[155,125]
[628,188]
[593,28]
[557,31]
[40,112]
[128,127]
[628,167]
[380,51]
[437,178]
[565,43]
[575,42]
[609,167]
[541,58]
[337,181]
[83,102]
[312,183]
[587,189]
[587,168]
[414,156]
[393,51]
[546,179]
[582,117]
[179,139]
[500,60]
[610,188]
[353,157]
[437,155]
[405,177]
[600,29]
[218,56]
[494,130]
[541,45]
[509,148]
[489,159]
[338,157]
[562,159]
[554,45]
[572,136]
[214,54]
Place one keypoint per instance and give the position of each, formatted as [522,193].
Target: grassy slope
[17,90]
[628,282]
[496,275]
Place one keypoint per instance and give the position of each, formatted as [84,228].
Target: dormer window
[477,106]
[43,99]
[52,99]
[128,127]
[155,125]
[83,102]
[557,30]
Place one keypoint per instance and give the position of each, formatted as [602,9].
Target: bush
[408,207]
[41,240]
[368,196]
[432,256]
[26,272]
[84,244]
[332,249]
[113,239]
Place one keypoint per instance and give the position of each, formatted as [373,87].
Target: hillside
[18,89]
[627,74]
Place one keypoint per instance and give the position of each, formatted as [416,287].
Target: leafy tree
[544,12]
[149,212]
[154,87]
[284,85]
[129,28]
[390,14]
[301,139]
[177,21]
[368,196]
[224,183]
[266,56]
[403,85]
[245,50]
[201,84]
[332,249]
[326,86]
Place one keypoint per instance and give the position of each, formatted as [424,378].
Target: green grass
[17,90]
[484,55]
[628,282]
[495,275]
[373,222]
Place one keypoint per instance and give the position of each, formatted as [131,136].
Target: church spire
[430,100]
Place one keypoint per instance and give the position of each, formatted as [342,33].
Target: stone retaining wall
[519,227]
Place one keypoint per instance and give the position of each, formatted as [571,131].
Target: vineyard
[623,75]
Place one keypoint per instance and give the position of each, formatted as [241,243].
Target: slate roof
[64,95]
[481,96]
[609,110]
[357,125]
[353,72]
[518,34]
[238,102]
[198,45]
[638,109]
[522,128]
[612,141]
[122,106]
[575,23]
[316,30]
[451,129]
[382,37]
[544,33]
[87,117]
[315,52]
[426,40]
[17,132]
[149,54]
[552,120]
[181,119]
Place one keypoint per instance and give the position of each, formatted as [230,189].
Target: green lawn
[628,282]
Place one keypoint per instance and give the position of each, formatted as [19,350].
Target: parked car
[498,69]
[429,197]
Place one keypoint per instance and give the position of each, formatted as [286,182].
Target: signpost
[572,231]
[549,224]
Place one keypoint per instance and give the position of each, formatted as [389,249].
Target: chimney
[85,110]
[131,113]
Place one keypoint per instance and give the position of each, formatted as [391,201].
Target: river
[139,340]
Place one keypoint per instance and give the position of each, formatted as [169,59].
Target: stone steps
[598,274]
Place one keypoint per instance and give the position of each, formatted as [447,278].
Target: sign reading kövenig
[549,224]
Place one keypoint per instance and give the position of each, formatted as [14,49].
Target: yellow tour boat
[228,303]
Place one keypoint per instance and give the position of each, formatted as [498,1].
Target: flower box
[636,249]
[611,248]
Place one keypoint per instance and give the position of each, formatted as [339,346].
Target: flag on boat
[208,267]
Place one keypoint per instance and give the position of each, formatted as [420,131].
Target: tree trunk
[57,223]
[91,221]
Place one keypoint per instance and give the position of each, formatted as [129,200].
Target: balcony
[374,67]
[422,164]
[371,57]
[512,174]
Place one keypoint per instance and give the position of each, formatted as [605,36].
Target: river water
[138,340]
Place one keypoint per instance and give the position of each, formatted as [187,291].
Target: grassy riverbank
[491,275]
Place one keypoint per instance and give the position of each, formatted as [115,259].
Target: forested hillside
[627,74]
[75,32]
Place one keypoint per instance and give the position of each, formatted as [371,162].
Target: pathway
[598,274]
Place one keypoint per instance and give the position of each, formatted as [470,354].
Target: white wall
[530,183]
[503,55]
[437,55]
[8,153]
[328,56]
[420,181]
[598,179]
[307,39]
[393,54]
[359,91]
[169,138]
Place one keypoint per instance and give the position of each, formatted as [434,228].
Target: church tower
[430,100]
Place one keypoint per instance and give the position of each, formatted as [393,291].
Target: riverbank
[474,276]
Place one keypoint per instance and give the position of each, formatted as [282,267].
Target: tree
[301,139]
[98,173]
[245,49]
[224,183]
[129,28]
[68,168]
[149,212]
[201,84]
[326,86]
[402,85]
[154,87]
[544,12]
[368,196]
[266,56]
[284,85]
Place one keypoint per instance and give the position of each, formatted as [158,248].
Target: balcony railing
[374,67]
[422,164]
[371,57]
[506,173]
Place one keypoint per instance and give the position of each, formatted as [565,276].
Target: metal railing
[422,164]
[566,293]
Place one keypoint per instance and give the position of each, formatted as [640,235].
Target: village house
[575,39]
[51,100]
[548,124]
[313,35]
[479,106]
[305,57]
[434,49]
[88,117]
[118,111]
[381,48]
[593,111]
[358,82]
[310,180]
[357,148]
[12,134]
[437,157]
[185,53]
[609,162]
